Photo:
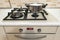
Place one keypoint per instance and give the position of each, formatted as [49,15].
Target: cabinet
[2,34]
[57,37]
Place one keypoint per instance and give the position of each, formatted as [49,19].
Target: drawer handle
[31,38]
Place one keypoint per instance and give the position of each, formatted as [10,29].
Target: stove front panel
[31,29]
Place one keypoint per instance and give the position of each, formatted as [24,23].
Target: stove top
[25,14]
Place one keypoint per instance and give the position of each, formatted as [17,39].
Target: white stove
[28,31]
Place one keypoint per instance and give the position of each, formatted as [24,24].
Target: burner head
[34,15]
[16,15]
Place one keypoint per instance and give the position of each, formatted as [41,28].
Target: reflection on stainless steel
[29,36]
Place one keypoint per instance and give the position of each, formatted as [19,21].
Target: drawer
[30,36]
[36,29]
[2,33]
[1,30]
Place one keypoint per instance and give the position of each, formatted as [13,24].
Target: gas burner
[34,15]
[15,15]
[25,14]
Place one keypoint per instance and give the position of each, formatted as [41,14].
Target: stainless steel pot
[35,7]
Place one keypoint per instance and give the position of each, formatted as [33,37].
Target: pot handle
[44,5]
[27,5]
[30,38]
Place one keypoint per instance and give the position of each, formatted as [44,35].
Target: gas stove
[25,14]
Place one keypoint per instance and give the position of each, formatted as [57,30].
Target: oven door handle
[40,37]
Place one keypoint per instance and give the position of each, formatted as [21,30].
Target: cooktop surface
[25,14]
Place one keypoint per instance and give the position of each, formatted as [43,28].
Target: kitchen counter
[54,12]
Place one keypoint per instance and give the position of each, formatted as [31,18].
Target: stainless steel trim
[30,33]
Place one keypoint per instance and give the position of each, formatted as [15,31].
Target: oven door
[30,36]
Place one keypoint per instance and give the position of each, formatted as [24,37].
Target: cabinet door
[57,37]
[2,34]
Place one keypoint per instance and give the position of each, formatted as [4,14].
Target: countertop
[54,12]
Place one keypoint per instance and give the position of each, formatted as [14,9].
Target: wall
[4,4]
[18,3]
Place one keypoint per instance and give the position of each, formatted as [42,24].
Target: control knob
[39,30]
[20,30]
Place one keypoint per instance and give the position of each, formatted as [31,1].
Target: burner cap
[34,15]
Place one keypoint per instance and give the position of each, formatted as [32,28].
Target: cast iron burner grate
[25,16]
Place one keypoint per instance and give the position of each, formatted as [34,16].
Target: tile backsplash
[18,3]
[4,4]
[51,3]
